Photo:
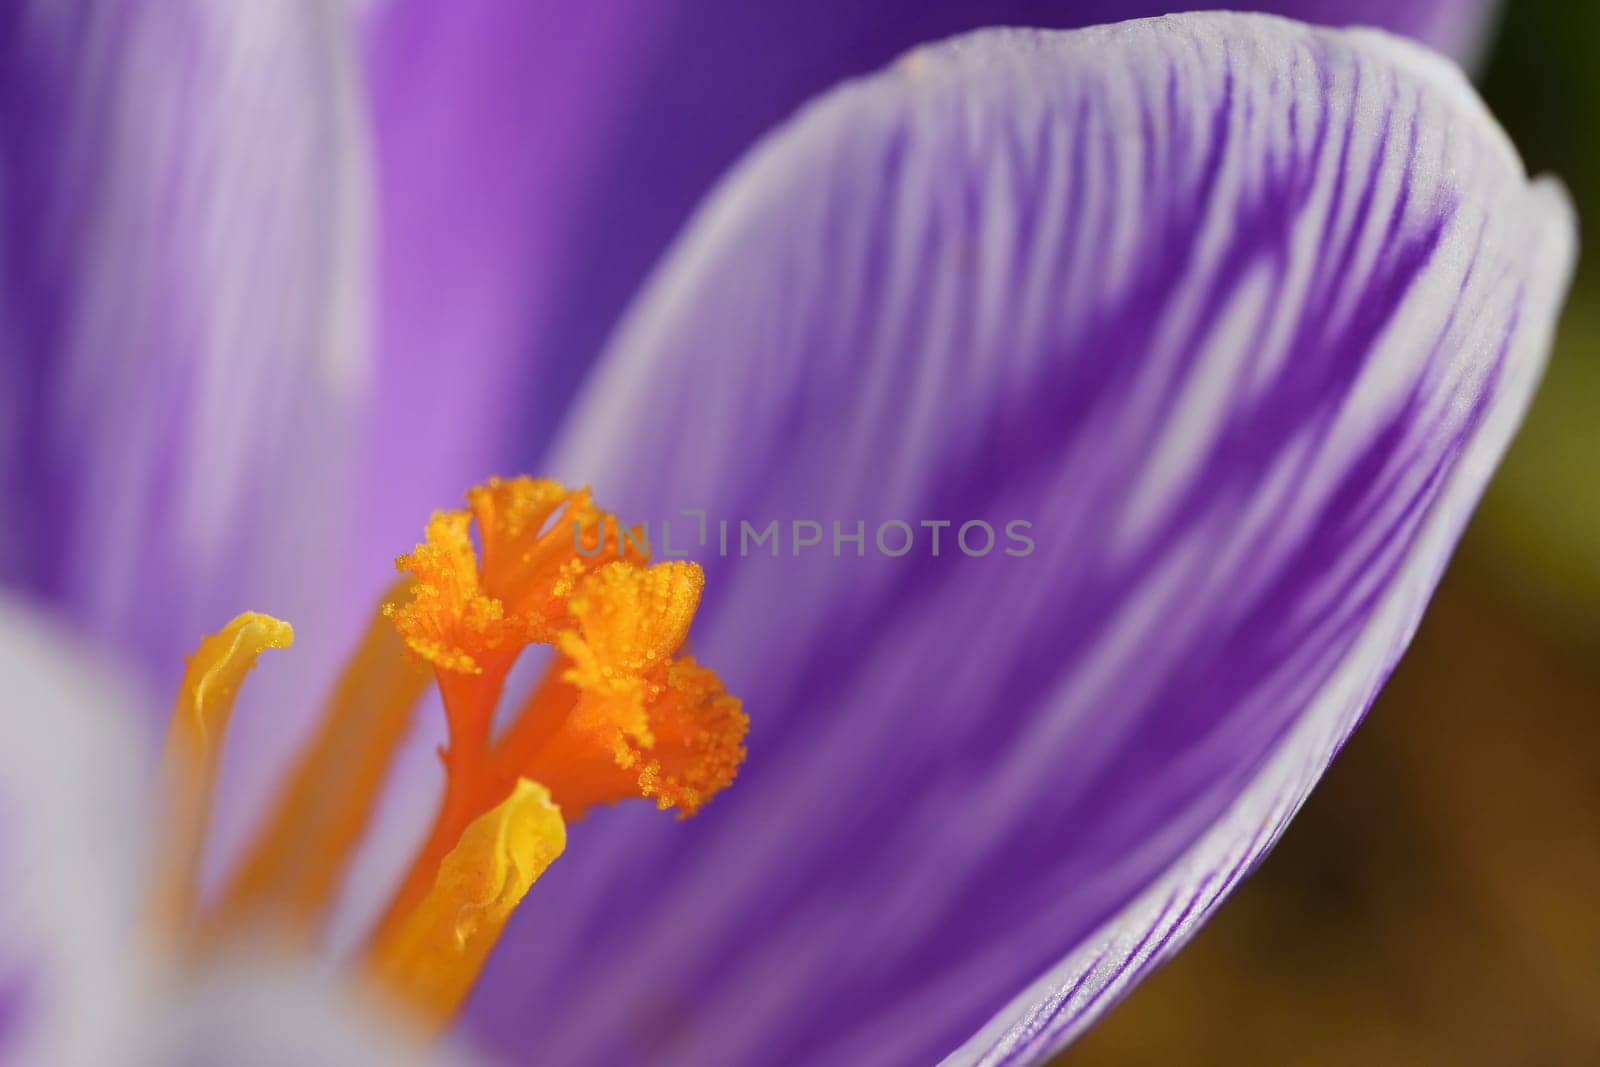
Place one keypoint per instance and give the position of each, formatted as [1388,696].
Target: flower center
[619,713]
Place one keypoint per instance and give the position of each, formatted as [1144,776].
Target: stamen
[194,747]
[435,956]
[472,623]
[619,714]
[296,865]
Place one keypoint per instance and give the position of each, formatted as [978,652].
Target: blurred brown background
[1438,899]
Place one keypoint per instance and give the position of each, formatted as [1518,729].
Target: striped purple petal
[181,284]
[535,160]
[1239,315]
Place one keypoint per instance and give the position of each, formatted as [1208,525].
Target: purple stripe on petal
[13,1007]
[15,970]
[181,281]
[1240,315]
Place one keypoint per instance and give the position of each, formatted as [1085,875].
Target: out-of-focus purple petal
[13,1023]
[537,159]
[16,972]
[489,121]
[183,202]
[1239,315]
[72,831]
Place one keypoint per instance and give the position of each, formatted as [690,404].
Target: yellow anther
[194,747]
[589,733]
[434,956]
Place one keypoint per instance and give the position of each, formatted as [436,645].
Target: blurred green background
[1438,899]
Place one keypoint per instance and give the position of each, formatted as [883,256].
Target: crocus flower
[1235,314]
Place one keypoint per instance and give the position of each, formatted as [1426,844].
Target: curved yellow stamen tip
[217,669]
[434,957]
[200,717]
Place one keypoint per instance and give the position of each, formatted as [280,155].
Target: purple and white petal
[536,160]
[1239,315]
[182,311]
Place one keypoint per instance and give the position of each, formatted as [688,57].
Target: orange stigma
[620,713]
